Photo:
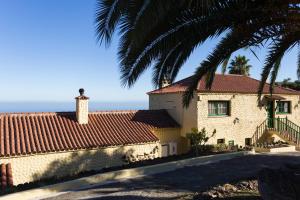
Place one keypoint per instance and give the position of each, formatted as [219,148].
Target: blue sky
[48,50]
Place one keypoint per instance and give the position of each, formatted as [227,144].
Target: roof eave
[228,92]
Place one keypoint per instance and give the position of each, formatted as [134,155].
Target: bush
[221,147]
[208,148]
[198,139]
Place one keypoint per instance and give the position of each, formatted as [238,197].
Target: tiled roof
[30,133]
[224,83]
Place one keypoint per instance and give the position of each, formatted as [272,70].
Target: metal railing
[286,128]
[260,130]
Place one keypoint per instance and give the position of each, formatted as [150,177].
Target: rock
[210,194]
[227,190]
[220,191]
[220,195]
[229,187]
[282,184]
[248,185]
[253,185]
[243,185]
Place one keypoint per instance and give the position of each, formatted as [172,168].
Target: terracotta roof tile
[224,83]
[30,133]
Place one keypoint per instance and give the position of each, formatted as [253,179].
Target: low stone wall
[109,177]
[35,167]
[289,148]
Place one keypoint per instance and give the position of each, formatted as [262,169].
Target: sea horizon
[52,106]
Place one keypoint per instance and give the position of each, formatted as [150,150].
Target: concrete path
[184,183]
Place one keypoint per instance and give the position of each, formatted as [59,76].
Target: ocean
[69,106]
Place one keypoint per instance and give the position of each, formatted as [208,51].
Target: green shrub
[198,139]
[208,148]
[221,147]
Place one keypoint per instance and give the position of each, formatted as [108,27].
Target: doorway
[270,114]
[164,150]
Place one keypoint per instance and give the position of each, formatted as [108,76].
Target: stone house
[231,107]
[36,146]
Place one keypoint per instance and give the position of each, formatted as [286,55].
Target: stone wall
[172,102]
[82,110]
[294,116]
[35,167]
[245,116]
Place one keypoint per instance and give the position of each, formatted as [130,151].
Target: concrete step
[283,136]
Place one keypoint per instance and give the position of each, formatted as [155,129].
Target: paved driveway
[183,183]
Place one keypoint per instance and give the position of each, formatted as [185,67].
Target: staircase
[283,127]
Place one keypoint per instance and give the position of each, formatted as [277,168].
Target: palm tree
[163,34]
[239,65]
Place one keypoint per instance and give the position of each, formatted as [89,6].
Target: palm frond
[136,59]
[274,73]
[163,65]
[232,41]
[131,60]
[253,52]
[224,64]
[298,63]
[275,54]
[167,32]
[108,14]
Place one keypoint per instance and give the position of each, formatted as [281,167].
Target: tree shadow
[67,115]
[239,198]
[162,118]
[88,162]
[68,166]
[78,162]
[196,179]
[129,197]
[190,179]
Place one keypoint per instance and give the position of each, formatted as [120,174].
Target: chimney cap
[81,91]
[165,82]
[81,94]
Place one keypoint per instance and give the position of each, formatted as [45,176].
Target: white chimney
[165,82]
[82,108]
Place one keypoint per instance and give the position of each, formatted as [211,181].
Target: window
[231,142]
[247,141]
[221,141]
[283,107]
[218,108]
